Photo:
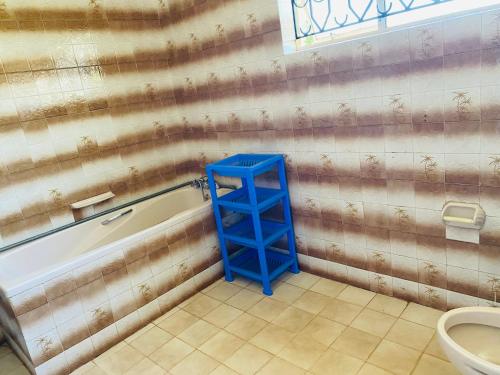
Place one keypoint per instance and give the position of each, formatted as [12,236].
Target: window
[309,22]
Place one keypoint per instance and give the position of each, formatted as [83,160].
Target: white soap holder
[463,215]
[92,200]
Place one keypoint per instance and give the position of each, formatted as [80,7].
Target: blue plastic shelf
[245,262]
[257,260]
[239,200]
[243,232]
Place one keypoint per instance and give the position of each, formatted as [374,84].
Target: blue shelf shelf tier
[257,259]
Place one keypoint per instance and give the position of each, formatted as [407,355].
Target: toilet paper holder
[463,215]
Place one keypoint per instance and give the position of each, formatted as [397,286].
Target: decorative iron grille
[313,17]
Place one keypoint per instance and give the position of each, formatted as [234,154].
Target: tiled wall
[83,107]
[378,132]
[68,321]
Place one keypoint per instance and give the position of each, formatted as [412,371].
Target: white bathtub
[39,261]
[83,289]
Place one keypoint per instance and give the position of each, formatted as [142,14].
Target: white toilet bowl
[477,320]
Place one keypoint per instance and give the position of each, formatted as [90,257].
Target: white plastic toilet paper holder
[463,215]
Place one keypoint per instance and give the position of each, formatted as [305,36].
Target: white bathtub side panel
[108,298]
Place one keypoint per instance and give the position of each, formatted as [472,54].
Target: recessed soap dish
[463,215]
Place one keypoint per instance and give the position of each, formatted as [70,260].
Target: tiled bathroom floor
[9,363]
[309,326]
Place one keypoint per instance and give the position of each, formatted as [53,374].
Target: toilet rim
[482,316]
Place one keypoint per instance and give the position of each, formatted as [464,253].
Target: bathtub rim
[15,289]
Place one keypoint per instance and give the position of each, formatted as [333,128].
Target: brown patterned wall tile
[44,348]
[27,301]
[433,274]
[60,286]
[73,332]
[113,262]
[79,355]
[462,280]
[86,274]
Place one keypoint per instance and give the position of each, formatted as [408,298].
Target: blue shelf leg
[288,216]
[223,248]
[261,250]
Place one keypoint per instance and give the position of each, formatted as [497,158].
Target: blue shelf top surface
[245,162]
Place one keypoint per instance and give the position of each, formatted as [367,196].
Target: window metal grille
[312,17]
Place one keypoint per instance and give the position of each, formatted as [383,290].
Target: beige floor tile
[340,311]
[278,366]
[246,326]
[195,363]
[96,370]
[411,334]
[369,369]
[240,281]
[244,299]
[146,366]
[373,322]
[213,285]
[287,293]
[422,315]
[171,353]
[83,369]
[202,306]
[223,291]
[120,361]
[312,302]
[194,297]
[138,333]
[303,351]
[395,358]
[197,334]
[388,305]
[10,364]
[166,315]
[329,288]
[272,338]
[4,350]
[429,365]
[435,349]
[335,363]
[222,346]
[293,319]
[113,349]
[248,359]
[323,330]
[355,295]
[222,315]
[151,340]
[223,370]
[256,287]
[356,343]
[268,309]
[303,280]
[178,322]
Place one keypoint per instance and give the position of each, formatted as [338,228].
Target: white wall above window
[308,23]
